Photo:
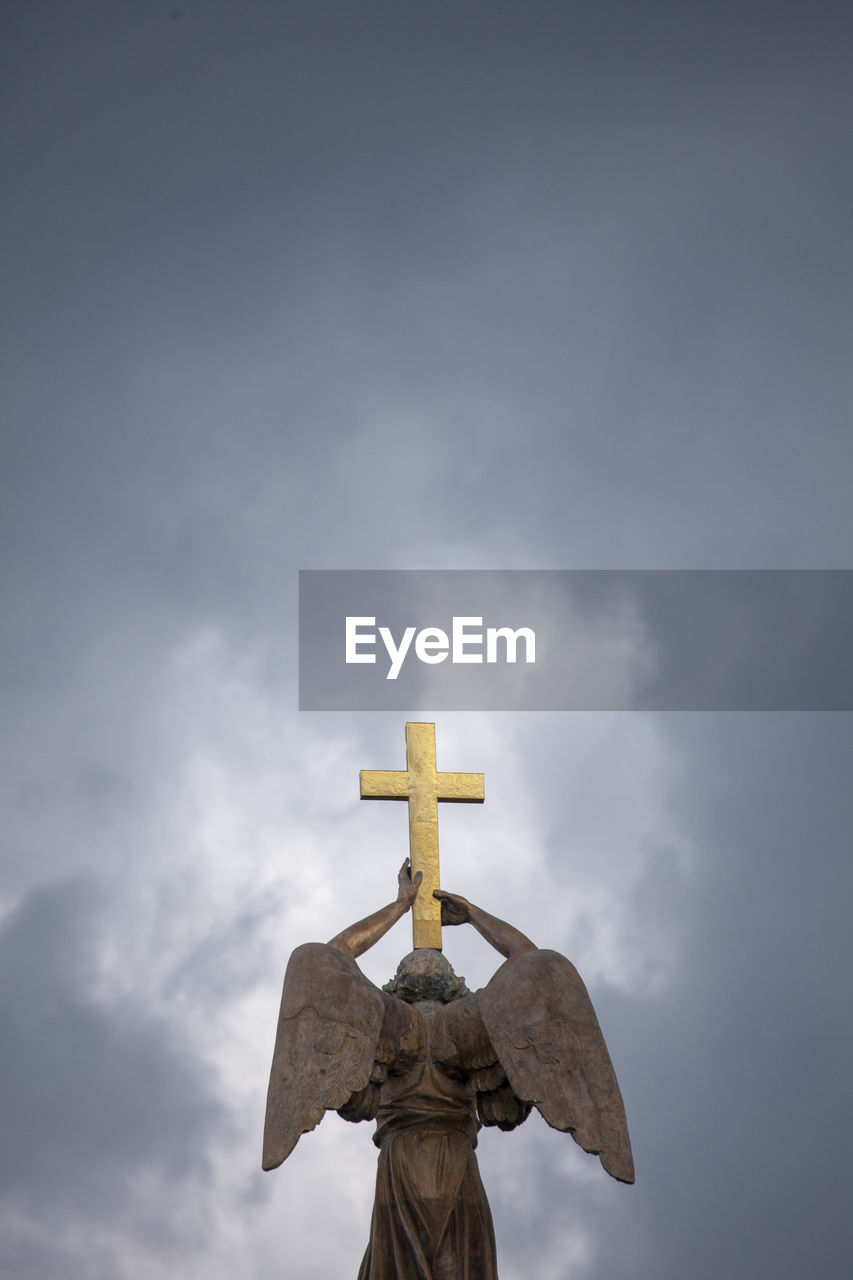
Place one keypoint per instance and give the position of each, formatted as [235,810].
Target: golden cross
[423,787]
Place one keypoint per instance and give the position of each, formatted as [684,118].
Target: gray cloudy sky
[411,285]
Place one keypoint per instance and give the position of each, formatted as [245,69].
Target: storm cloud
[399,287]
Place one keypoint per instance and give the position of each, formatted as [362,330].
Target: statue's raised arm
[359,937]
[505,938]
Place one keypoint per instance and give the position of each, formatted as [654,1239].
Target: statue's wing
[325,1047]
[546,1037]
[461,1043]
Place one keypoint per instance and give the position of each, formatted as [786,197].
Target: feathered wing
[546,1037]
[326,1044]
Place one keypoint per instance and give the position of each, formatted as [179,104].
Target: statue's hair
[426,974]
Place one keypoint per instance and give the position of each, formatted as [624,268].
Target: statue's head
[426,976]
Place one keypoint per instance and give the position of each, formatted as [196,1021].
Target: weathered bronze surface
[431,1062]
[423,787]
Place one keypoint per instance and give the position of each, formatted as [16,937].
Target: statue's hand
[454,908]
[407,888]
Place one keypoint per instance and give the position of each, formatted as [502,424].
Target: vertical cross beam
[423,786]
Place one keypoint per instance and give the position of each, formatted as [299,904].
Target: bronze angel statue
[431,1062]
